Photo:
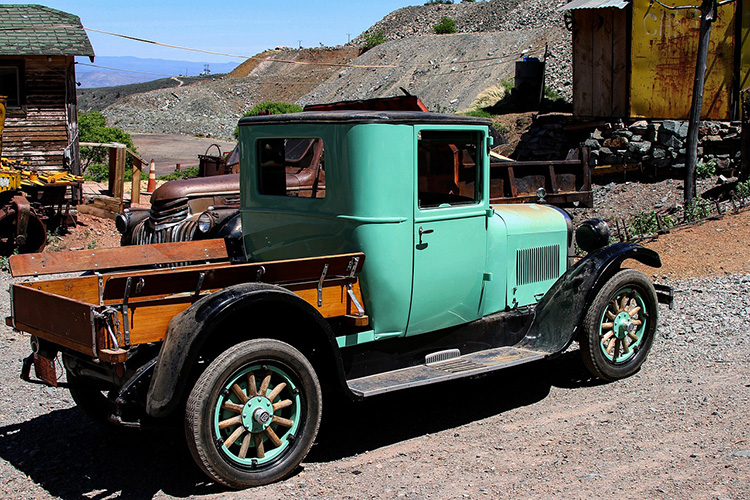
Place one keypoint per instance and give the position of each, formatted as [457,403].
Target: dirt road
[167,150]
[679,428]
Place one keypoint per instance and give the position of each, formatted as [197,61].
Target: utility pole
[708,14]
[708,10]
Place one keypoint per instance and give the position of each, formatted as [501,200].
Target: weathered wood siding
[38,131]
[745,46]
[600,62]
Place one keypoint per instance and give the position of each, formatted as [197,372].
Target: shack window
[291,167]
[10,85]
[447,168]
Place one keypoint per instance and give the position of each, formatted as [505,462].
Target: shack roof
[36,30]
[349,116]
[594,4]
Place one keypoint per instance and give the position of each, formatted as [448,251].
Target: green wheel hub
[257,415]
[622,326]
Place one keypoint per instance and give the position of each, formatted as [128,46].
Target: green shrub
[269,108]
[374,39]
[185,173]
[445,26]
[697,209]
[92,127]
[743,189]
[705,169]
[647,223]
[478,113]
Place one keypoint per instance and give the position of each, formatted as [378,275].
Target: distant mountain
[126,70]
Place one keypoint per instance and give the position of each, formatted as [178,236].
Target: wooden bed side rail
[314,270]
[103,259]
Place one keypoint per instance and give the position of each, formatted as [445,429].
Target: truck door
[450,229]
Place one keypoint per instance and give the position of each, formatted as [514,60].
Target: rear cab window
[291,167]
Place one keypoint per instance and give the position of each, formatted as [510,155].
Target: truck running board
[476,363]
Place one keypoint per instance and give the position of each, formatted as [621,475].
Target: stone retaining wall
[656,147]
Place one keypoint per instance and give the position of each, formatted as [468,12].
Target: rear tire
[620,326]
[92,401]
[253,414]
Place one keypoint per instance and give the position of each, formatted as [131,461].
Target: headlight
[121,222]
[592,235]
[205,222]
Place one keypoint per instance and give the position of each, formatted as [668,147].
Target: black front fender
[559,313]
[189,331]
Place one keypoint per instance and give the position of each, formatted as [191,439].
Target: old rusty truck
[399,273]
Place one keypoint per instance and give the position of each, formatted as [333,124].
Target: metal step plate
[475,363]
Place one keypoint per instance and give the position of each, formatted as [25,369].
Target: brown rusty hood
[199,186]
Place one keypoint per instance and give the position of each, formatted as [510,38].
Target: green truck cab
[388,270]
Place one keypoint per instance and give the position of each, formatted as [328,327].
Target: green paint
[376,171]
[257,413]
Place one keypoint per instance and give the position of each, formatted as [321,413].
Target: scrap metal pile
[31,203]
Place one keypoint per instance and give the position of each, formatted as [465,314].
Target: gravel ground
[680,427]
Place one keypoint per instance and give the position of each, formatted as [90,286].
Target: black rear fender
[559,313]
[237,313]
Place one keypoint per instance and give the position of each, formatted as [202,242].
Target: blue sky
[237,27]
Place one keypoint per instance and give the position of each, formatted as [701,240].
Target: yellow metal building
[635,58]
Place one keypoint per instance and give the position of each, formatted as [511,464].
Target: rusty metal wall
[663,57]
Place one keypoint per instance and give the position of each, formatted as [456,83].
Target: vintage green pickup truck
[398,272]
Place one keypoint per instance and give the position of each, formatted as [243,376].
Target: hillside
[448,72]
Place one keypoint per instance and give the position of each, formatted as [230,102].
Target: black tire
[219,425]
[91,400]
[620,326]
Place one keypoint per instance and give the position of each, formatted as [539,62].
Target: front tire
[620,326]
[253,414]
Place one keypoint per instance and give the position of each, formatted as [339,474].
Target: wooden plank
[582,63]
[114,258]
[55,318]
[79,288]
[102,213]
[186,279]
[620,86]
[601,101]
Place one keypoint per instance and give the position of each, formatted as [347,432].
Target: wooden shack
[635,58]
[37,74]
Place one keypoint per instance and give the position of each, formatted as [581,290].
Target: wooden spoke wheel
[620,325]
[253,414]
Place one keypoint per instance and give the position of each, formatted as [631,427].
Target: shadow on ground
[71,457]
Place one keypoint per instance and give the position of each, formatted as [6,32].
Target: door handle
[424,231]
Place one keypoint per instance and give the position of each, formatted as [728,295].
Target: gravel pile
[470,17]
[447,72]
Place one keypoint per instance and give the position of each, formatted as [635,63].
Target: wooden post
[117,171]
[135,189]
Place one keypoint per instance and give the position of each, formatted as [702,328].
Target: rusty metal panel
[664,53]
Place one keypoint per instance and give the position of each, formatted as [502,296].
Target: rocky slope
[448,72]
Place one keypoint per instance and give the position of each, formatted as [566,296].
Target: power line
[153,42]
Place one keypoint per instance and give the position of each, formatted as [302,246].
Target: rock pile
[651,145]
[661,144]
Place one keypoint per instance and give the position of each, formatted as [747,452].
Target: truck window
[447,169]
[291,167]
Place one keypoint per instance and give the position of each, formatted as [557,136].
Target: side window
[10,85]
[447,168]
[291,167]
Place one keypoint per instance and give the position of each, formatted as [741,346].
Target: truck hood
[530,218]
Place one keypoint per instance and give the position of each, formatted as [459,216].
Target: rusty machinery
[30,203]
